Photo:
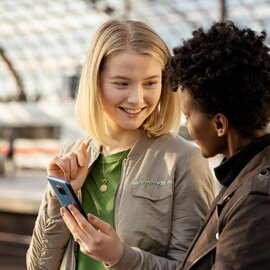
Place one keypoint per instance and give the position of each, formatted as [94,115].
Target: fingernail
[90,216]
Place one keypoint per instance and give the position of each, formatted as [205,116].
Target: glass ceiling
[46,41]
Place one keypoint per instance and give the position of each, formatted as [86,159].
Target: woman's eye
[150,84]
[120,84]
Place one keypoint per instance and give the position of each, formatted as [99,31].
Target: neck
[124,142]
[236,142]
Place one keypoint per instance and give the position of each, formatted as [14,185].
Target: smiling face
[131,85]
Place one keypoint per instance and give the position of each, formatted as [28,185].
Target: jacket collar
[138,149]
[228,170]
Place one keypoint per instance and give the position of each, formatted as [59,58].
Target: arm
[50,237]
[193,196]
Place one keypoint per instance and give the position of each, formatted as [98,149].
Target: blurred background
[43,45]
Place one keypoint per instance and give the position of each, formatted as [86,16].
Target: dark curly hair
[226,70]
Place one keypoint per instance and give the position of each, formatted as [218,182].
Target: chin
[205,154]
[130,126]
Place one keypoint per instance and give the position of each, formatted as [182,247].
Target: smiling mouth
[132,111]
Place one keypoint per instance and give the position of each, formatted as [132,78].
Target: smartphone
[65,193]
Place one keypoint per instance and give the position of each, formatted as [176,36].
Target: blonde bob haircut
[111,38]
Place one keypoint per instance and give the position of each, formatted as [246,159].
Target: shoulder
[175,143]
[249,202]
[260,177]
[256,182]
[170,147]
[185,153]
[75,144]
[260,183]
[251,190]
[254,179]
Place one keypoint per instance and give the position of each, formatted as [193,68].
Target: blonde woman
[145,188]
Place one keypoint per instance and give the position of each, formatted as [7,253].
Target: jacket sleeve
[193,194]
[50,237]
[244,242]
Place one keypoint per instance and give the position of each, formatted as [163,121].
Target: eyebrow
[127,78]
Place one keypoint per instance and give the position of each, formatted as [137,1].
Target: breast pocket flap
[152,190]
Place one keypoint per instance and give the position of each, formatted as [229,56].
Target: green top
[101,204]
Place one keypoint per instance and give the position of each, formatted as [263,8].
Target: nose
[135,95]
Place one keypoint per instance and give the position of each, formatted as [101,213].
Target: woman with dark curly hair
[223,75]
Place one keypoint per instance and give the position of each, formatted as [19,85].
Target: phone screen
[65,193]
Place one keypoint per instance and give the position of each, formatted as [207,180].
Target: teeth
[132,111]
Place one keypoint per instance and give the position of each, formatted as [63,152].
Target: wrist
[116,260]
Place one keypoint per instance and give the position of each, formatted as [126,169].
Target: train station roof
[46,41]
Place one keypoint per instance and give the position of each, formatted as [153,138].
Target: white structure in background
[53,123]
[47,41]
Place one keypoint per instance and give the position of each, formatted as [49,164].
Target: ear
[221,124]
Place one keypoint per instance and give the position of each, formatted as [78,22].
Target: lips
[132,111]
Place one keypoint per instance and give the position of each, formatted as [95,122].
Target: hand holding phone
[65,193]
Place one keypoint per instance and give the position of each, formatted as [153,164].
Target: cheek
[109,98]
[197,132]
[191,130]
[153,98]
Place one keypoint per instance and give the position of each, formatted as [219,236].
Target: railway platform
[20,197]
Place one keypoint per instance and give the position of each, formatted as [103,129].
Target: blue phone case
[65,193]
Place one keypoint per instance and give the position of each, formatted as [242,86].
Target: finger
[73,165]
[66,167]
[82,221]
[72,225]
[82,155]
[100,224]
[55,166]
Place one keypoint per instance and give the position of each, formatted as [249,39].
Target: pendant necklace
[104,186]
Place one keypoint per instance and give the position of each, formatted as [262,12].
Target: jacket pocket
[152,190]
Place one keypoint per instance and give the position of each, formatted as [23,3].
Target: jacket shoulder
[260,183]
[74,145]
[174,142]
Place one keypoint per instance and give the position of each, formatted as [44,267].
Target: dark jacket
[236,232]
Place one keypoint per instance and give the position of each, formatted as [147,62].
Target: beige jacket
[165,191]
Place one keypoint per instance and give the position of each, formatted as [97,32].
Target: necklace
[104,186]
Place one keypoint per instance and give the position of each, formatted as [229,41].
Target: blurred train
[31,133]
